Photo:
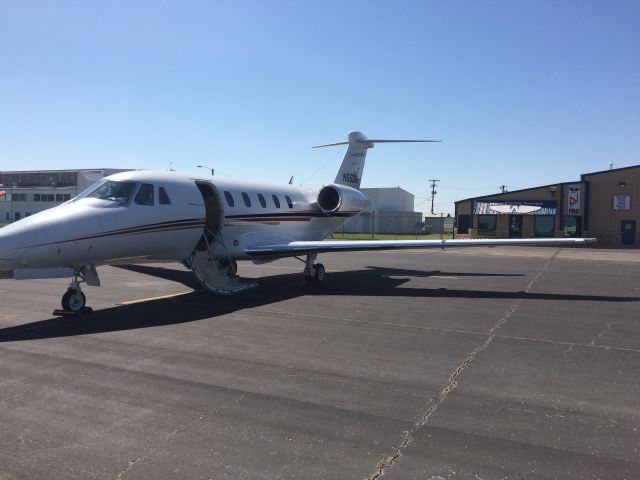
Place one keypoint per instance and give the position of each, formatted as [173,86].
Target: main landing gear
[313,272]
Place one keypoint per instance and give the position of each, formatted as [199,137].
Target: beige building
[605,205]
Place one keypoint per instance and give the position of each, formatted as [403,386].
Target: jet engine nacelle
[339,198]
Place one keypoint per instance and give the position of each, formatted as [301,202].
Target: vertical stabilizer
[350,172]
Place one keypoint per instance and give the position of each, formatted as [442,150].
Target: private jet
[207,223]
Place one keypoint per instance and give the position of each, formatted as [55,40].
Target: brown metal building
[605,205]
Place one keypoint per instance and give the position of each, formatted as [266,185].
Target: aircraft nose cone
[8,259]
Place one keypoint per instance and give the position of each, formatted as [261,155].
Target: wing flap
[306,247]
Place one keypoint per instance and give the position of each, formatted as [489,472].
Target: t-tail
[350,173]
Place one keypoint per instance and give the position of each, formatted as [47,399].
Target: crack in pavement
[599,336]
[407,437]
[131,464]
[168,436]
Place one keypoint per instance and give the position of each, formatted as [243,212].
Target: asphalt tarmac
[481,364]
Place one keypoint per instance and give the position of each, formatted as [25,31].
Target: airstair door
[210,261]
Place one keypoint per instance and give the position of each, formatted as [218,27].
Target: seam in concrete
[453,379]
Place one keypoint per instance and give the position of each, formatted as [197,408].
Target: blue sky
[522,93]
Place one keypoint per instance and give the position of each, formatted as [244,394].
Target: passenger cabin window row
[261,199]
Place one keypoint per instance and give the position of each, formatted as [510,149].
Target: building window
[543,225]
[263,202]
[276,201]
[289,202]
[487,224]
[63,197]
[36,197]
[7,217]
[247,200]
[572,226]
[145,195]
[163,197]
[229,198]
[19,197]
[464,222]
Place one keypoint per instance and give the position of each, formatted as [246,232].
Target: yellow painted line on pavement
[161,297]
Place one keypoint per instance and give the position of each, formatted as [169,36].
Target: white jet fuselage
[94,231]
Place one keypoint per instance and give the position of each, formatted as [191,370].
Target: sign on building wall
[622,202]
[573,200]
[516,207]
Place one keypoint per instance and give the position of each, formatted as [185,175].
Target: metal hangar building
[604,204]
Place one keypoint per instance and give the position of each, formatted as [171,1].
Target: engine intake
[339,198]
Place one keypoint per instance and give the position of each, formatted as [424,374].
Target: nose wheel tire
[73,300]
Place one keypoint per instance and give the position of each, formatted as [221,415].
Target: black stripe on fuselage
[153,227]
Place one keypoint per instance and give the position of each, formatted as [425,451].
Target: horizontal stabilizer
[350,173]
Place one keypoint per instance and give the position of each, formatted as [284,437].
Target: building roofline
[518,191]
[600,172]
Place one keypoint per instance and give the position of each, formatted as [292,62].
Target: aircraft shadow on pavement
[201,304]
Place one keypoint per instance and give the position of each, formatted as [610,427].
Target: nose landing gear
[74,300]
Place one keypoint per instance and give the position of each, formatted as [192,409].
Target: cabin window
[114,191]
[263,202]
[163,197]
[229,198]
[144,195]
[247,200]
[289,202]
[276,201]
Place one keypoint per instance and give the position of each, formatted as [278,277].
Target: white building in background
[23,193]
[391,211]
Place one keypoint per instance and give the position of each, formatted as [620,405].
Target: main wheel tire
[73,300]
[319,276]
[233,267]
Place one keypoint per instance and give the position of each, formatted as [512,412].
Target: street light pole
[208,168]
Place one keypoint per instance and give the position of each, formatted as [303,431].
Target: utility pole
[434,182]
[503,188]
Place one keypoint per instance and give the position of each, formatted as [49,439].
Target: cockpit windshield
[114,191]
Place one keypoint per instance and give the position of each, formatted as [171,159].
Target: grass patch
[388,236]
